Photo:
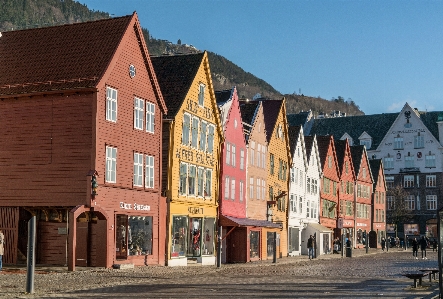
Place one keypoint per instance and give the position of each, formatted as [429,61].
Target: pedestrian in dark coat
[415,248]
[383,244]
[423,246]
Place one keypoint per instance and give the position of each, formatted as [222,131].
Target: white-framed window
[263,156]
[329,161]
[263,189]
[389,181]
[430,161]
[252,151]
[233,189]
[149,172]
[192,176]
[293,203]
[194,132]
[419,141]
[210,146]
[410,202]
[111,104]
[227,186]
[200,181]
[150,117]
[366,143]
[201,94]
[408,181]
[228,153]
[203,131]
[242,159]
[292,175]
[364,172]
[409,161]
[241,190]
[258,188]
[208,183]
[431,181]
[111,164]
[138,169]
[431,202]
[308,185]
[388,162]
[186,128]
[183,178]
[390,202]
[233,155]
[307,208]
[300,205]
[258,162]
[251,187]
[398,142]
[139,113]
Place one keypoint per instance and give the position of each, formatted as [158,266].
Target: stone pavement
[373,275]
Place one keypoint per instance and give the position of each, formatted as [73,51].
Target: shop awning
[233,221]
[320,228]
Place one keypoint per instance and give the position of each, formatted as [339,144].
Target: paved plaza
[373,275]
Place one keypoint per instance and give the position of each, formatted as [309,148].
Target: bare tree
[397,209]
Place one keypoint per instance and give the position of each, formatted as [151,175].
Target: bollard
[31,256]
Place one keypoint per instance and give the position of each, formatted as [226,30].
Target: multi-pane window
[431,202]
[419,141]
[233,189]
[258,187]
[233,155]
[308,185]
[263,189]
[192,176]
[186,129]
[258,155]
[149,172]
[409,161]
[349,210]
[329,162]
[431,181]
[189,179]
[194,132]
[111,164]
[208,182]
[271,193]
[271,162]
[251,187]
[389,181]
[203,131]
[408,181]
[227,186]
[366,143]
[228,153]
[293,203]
[410,202]
[398,142]
[111,104]
[139,112]
[183,178]
[201,94]
[210,146]
[200,182]
[150,117]
[138,169]
[242,159]
[390,202]
[251,154]
[241,190]
[300,204]
[430,161]
[389,162]
[263,156]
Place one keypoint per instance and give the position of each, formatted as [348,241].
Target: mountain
[24,14]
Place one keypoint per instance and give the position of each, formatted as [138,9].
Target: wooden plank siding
[9,225]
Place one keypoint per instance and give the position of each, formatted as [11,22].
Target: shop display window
[133,235]
[194,237]
[179,238]
[208,236]
[254,240]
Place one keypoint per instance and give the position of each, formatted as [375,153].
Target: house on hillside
[192,138]
[81,149]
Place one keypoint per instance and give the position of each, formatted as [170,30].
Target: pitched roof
[375,165]
[222,96]
[248,110]
[357,155]
[430,119]
[297,119]
[175,75]
[323,143]
[271,109]
[60,57]
[340,148]
[309,143]
[376,125]
[294,134]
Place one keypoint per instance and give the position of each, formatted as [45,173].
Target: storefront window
[254,251]
[179,240]
[294,240]
[133,235]
[208,236]
[270,244]
[195,225]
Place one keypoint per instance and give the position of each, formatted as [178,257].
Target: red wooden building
[378,219]
[81,102]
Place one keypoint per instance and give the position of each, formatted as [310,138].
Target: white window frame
[208,183]
[431,181]
[241,190]
[408,181]
[251,187]
[200,181]
[431,202]
[203,135]
[186,129]
[227,186]
[138,170]
[233,158]
[409,161]
[390,202]
[150,117]
[430,161]
[258,189]
[398,143]
[419,141]
[388,162]
[263,189]
[111,104]
[195,124]
[242,159]
[410,202]
[210,141]
[201,94]
[192,178]
[183,178]
[228,153]
[233,189]
[149,171]
[139,113]
[111,164]
[252,150]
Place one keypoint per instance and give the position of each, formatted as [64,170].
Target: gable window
[398,142]
[251,160]
[228,153]
[431,202]
[203,129]
[201,94]
[242,159]
[258,155]
[430,160]
[194,132]
[347,167]
[111,104]
[291,175]
[210,146]
[431,181]
[111,164]
[364,172]
[139,111]
[389,162]
[409,161]
[233,155]
[410,202]
[138,169]
[408,181]
[419,141]
[329,162]
[150,117]
[271,162]
[186,129]
[149,172]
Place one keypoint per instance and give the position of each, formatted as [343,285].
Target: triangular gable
[324,145]
[314,150]
[364,135]
[347,136]
[342,148]
[229,109]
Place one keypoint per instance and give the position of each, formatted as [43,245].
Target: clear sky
[380,54]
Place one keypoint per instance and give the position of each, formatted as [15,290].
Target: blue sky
[379,53]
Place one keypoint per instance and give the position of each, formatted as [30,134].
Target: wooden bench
[416,275]
[431,271]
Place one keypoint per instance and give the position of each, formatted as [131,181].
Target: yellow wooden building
[192,139]
[278,174]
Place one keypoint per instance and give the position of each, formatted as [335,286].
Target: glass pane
[179,239]
[121,236]
[208,237]
[195,225]
[140,235]
[254,251]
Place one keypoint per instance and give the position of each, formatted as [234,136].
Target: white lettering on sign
[378,225]
[126,206]
[347,223]
[138,207]
[135,206]
[361,224]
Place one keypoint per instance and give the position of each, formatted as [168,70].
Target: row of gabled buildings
[125,158]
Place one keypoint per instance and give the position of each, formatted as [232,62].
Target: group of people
[423,243]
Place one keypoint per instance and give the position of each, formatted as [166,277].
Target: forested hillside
[24,14]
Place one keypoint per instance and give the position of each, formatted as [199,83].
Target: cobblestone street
[373,275]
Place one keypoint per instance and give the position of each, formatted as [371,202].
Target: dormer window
[366,142]
[201,94]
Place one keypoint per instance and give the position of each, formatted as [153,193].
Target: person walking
[383,244]
[423,245]
[310,247]
[415,248]
[2,248]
